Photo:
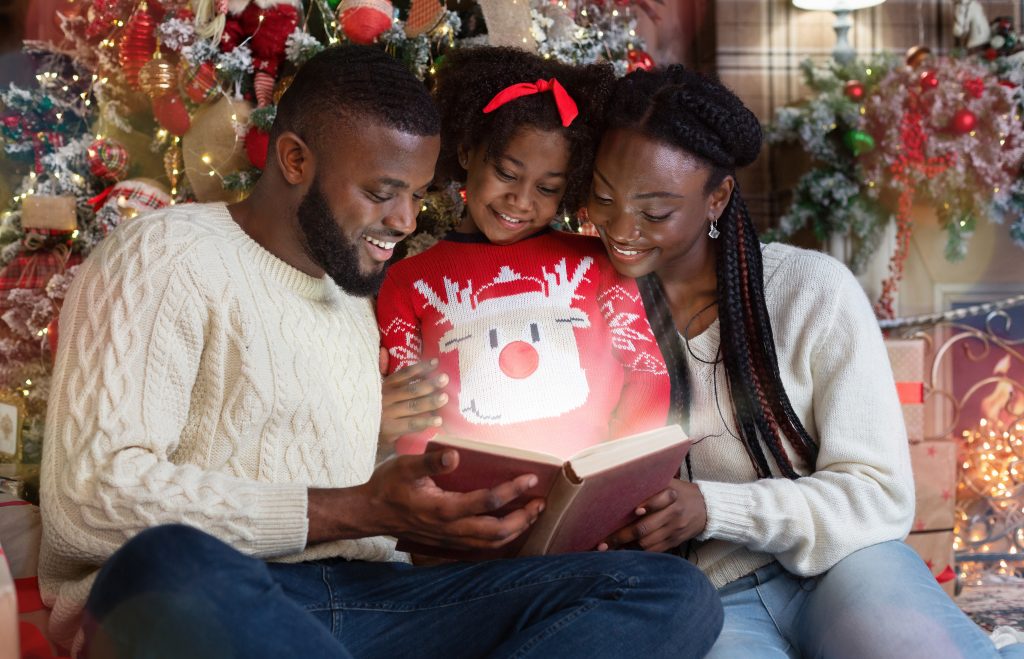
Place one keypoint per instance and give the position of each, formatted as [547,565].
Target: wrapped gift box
[33,270]
[907,357]
[936,548]
[935,473]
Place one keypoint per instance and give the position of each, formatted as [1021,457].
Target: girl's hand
[410,398]
[667,520]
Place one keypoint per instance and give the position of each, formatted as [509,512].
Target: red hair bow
[566,106]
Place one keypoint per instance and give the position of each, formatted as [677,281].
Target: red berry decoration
[963,121]
[854,90]
[975,87]
[929,80]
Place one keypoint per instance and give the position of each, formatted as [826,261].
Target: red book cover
[587,497]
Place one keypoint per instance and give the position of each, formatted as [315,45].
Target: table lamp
[843,51]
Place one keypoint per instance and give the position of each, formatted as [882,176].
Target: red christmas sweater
[546,346]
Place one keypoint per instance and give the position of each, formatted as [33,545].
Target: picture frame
[12,416]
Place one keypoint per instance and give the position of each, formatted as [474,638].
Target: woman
[798,490]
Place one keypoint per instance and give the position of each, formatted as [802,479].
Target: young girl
[798,490]
[543,344]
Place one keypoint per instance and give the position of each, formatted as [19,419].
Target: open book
[587,497]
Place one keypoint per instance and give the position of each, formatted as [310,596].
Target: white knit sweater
[837,375]
[201,380]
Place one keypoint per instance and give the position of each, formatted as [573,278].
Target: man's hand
[401,499]
[410,397]
[667,520]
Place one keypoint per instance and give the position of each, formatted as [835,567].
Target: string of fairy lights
[989,527]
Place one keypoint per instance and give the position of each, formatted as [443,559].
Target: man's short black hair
[355,84]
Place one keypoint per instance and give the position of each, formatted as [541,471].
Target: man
[218,370]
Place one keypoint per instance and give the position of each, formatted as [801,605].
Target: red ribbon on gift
[946,575]
[910,393]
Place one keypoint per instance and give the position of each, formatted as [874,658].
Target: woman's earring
[713,232]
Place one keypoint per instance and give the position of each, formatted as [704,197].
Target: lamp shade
[835,5]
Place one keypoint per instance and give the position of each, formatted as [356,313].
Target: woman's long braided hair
[699,115]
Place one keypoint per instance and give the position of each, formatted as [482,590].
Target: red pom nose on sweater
[518,360]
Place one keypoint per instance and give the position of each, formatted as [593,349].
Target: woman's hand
[667,520]
[410,398]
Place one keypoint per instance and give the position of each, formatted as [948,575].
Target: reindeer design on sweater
[518,356]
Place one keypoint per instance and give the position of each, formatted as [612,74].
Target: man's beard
[329,248]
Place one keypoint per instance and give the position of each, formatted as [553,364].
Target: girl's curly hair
[471,77]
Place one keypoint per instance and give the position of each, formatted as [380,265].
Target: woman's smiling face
[650,205]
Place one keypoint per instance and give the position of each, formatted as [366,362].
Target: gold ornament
[174,165]
[918,55]
[281,87]
[157,77]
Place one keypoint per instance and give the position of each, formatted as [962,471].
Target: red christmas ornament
[363,21]
[991,54]
[108,159]
[170,113]
[854,90]
[963,121]
[257,143]
[638,59]
[199,83]
[136,46]
[929,80]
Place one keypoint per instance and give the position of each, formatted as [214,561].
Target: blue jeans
[173,591]
[881,601]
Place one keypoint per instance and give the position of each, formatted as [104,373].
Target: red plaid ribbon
[47,253]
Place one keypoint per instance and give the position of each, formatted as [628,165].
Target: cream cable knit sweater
[837,375]
[203,381]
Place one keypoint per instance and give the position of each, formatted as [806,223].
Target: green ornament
[333,4]
[45,104]
[858,142]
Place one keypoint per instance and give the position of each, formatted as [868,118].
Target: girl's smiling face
[516,193]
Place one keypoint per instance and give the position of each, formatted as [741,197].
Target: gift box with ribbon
[49,222]
[907,357]
[45,253]
[935,473]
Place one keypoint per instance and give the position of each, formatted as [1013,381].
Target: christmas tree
[887,132]
[159,102]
